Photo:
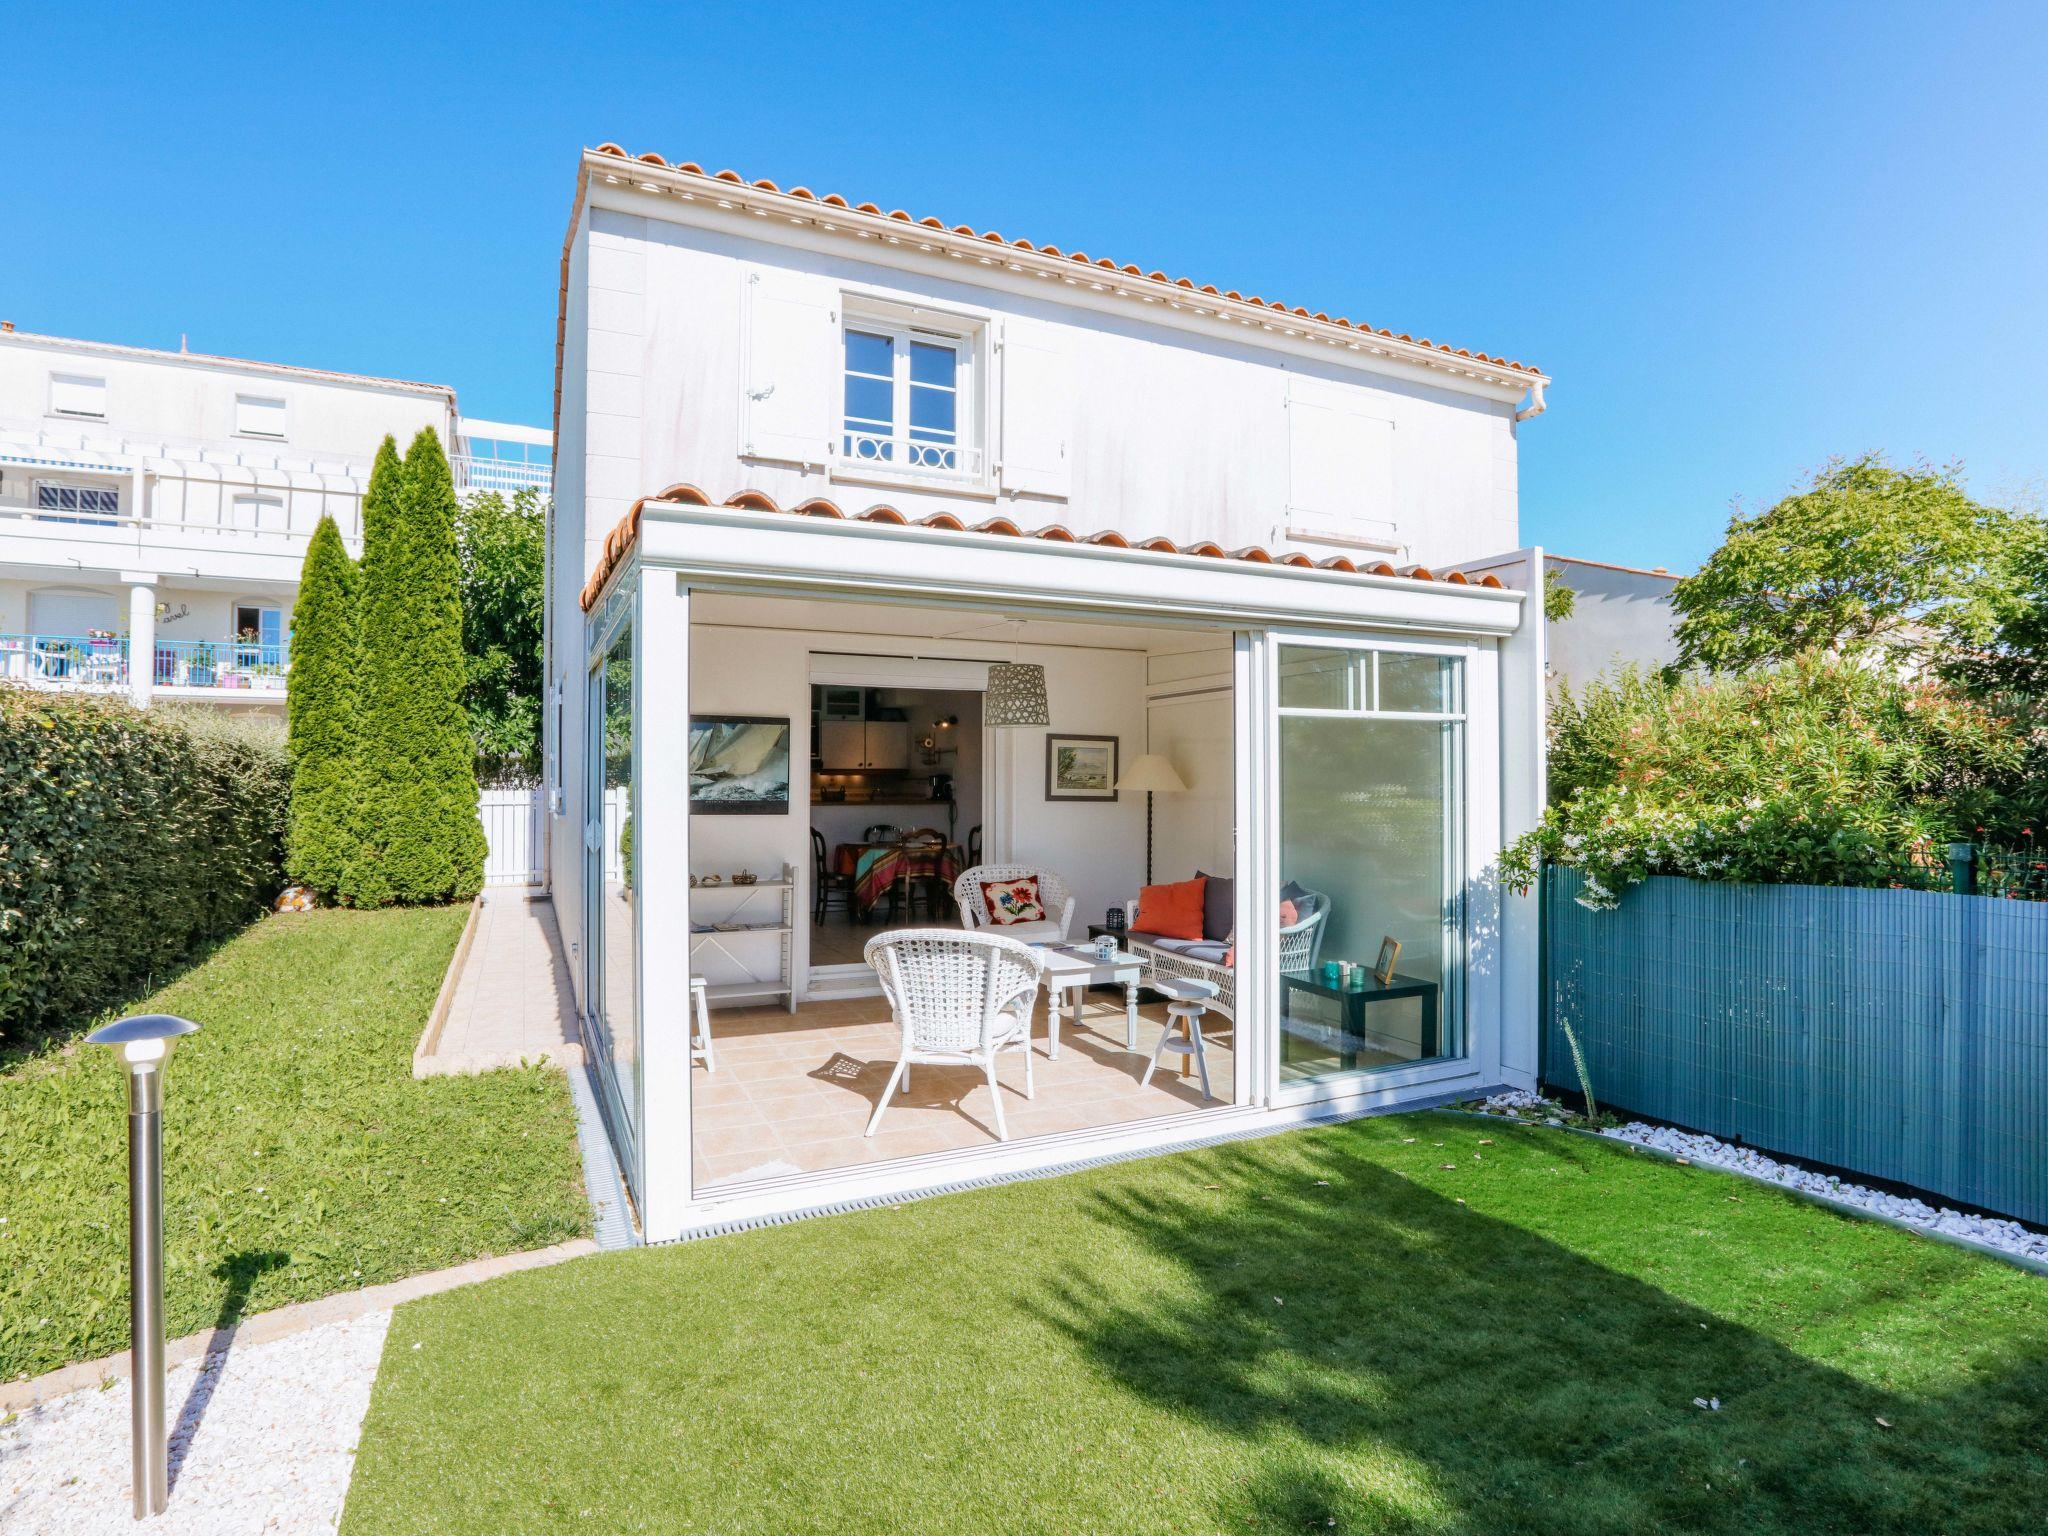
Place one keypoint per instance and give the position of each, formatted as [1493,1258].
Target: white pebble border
[263,1439]
[1991,1231]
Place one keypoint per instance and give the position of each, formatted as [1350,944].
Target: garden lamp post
[145,1043]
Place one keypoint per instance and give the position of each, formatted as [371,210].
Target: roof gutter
[1536,406]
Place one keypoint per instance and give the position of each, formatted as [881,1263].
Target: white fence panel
[515,831]
[614,823]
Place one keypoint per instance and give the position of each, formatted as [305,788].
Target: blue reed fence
[1900,1033]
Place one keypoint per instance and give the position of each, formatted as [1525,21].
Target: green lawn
[300,1156]
[1322,1331]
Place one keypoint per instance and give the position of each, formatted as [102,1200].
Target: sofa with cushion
[1018,901]
[1209,955]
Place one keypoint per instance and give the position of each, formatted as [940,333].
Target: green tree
[320,704]
[1560,597]
[1867,558]
[418,835]
[502,546]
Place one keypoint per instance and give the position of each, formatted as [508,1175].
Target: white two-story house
[899,570]
[155,507]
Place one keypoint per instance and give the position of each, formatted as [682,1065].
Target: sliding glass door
[612,977]
[1371,746]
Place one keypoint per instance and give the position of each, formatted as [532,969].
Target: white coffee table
[1070,971]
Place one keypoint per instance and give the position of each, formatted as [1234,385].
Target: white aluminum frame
[903,325]
[685,548]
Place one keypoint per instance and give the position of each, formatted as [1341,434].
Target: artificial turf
[1408,1324]
[300,1155]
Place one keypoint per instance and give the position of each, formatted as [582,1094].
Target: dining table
[875,867]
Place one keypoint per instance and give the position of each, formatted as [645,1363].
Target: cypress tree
[415,780]
[320,706]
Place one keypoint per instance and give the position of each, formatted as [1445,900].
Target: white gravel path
[262,1440]
[1992,1231]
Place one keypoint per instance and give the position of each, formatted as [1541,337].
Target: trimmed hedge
[127,840]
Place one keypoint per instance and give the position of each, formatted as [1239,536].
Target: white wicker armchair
[960,999]
[1052,892]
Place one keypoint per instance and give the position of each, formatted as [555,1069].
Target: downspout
[1535,407]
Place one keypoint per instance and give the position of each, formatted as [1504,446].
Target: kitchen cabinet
[863,746]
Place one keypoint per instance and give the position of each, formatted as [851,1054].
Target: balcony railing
[473,473]
[220,664]
[71,661]
[89,661]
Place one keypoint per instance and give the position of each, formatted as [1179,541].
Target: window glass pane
[931,364]
[615,877]
[1322,679]
[869,404]
[1369,812]
[1417,684]
[869,353]
[931,413]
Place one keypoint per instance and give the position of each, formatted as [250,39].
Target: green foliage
[127,841]
[301,1157]
[1865,558]
[1431,1325]
[1560,598]
[1824,772]
[503,553]
[417,834]
[321,701]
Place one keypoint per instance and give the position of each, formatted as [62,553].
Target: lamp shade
[1016,695]
[1151,773]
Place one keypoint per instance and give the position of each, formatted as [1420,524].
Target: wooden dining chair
[826,887]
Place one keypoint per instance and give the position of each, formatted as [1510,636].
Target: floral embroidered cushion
[1013,901]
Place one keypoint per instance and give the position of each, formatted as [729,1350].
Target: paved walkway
[512,1000]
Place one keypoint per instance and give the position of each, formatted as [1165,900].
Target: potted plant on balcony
[203,658]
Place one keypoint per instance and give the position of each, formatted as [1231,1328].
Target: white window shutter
[1340,462]
[1038,411]
[77,394]
[260,416]
[791,384]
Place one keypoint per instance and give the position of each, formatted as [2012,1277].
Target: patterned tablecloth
[876,868]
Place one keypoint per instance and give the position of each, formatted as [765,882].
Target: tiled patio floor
[793,1092]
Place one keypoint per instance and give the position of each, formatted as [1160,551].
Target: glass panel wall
[1371,804]
[611,878]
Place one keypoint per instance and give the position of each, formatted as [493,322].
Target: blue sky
[1742,238]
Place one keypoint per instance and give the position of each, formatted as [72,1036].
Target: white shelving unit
[749,921]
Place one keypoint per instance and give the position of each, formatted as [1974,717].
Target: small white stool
[700,1005]
[1187,1001]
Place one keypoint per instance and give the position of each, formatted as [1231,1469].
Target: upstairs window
[260,416]
[78,394]
[906,398]
[60,502]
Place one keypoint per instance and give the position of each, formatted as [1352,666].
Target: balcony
[234,670]
[475,473]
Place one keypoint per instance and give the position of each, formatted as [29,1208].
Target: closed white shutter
[1340,462]
[74,394]
[791,376]
[1038,411]
[259,416]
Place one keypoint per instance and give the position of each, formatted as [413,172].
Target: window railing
[75,661]
[475,473]
[887,453]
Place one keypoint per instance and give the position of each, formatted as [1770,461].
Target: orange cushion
[1173,911]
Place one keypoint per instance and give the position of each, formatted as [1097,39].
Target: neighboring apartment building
[155,507]
[816,460]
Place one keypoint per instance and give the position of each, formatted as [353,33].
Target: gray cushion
[1187,949]
[1219,908]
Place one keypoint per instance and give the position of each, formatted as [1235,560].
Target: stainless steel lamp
[145,1042]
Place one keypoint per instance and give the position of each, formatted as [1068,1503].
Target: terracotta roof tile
[691,168]
[620,540]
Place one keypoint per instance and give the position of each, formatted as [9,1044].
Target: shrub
[418,838]
[127,841]
[1825,772]
[321,701]
[502,545]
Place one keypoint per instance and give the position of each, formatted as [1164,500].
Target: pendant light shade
[1016,695]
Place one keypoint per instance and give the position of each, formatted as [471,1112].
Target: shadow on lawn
[1520,1386]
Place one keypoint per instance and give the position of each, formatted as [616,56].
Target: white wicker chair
[1052,892]
[960,999]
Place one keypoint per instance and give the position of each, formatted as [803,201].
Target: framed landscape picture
[739,765]
[1080,767]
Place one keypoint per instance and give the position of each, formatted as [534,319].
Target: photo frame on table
[1390,952]
[739,765]
[1080,767]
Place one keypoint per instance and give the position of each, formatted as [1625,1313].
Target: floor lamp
[1153,774]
